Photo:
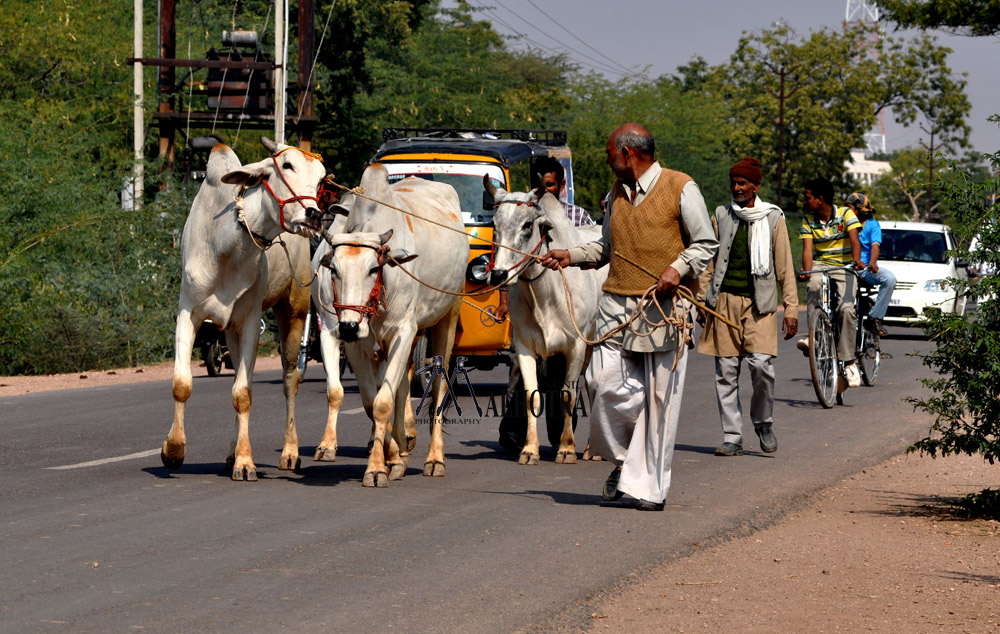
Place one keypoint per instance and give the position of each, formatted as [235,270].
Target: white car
[916,253]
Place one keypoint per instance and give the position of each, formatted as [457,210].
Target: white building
[865,170]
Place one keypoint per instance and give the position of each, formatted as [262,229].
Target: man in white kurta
[637,395]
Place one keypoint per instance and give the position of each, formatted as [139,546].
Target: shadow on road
[694,448]
[562,497]
[204,468]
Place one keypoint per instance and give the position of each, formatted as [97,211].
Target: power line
[573,35]
[521,36]
[594,63]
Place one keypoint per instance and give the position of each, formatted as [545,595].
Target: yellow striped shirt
[831,244]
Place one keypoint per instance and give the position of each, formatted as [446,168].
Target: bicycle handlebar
[845,267]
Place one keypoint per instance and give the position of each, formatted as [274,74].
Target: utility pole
[280,69]
[782,96]
[139,123]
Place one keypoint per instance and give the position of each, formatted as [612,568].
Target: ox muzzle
[498,277]
[348,330]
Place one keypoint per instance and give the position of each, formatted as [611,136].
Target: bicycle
[828,372]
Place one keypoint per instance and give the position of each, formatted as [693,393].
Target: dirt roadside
[879,551]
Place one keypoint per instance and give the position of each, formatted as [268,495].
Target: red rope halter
[294,197]
[493,252]
[372,306]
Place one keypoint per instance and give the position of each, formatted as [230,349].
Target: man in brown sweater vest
[657,219]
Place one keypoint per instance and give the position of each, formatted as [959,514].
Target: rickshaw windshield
[466,178]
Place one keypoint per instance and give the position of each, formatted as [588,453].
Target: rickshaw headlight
[477,271]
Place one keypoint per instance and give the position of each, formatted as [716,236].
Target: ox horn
[271,146]
[539,191]
[490,187]
[383,238]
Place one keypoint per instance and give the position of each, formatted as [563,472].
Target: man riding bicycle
[830,238]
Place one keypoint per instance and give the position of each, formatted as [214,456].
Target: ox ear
[544,225]
[248,175]
[339,209]
[271,146]
[400,256]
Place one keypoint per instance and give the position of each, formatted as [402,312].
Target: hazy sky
[615,37]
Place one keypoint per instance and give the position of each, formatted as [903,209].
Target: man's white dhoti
[633,421]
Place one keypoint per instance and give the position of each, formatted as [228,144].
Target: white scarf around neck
[760,234]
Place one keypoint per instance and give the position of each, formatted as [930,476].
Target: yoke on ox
[538,308]
[229,277]
[381,308]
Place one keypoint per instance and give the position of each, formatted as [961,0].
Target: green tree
[966,394]
[935,99]
[799,105]
[802,104]
[83,284]
[683,111]
[966,17]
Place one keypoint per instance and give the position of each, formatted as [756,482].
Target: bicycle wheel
[823,359]
[871,356]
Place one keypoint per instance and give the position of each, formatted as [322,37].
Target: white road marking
[143,454]
[94,463]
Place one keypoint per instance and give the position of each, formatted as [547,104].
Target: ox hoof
[289,463]
[171,460]
[434,468]
[397,471]
[411,442]
[247,473]
[566,457]
[527,458]
[377,479]
[326,454]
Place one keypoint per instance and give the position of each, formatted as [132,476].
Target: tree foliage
[963,17]
[966,394]
[82,283]
[831,90]
[683,113]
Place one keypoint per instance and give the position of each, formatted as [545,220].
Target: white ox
[381,308]
[323,299]
[537,301]
[228,278]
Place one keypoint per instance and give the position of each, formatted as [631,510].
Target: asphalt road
[99,537]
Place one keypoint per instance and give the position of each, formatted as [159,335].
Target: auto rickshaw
[460,158]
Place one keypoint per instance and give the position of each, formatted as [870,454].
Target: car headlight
[478,269]
[936,286]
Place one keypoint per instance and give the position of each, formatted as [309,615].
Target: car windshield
[913,246]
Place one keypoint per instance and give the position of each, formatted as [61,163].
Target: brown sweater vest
[648,234]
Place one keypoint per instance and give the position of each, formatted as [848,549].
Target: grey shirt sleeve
[596,254]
